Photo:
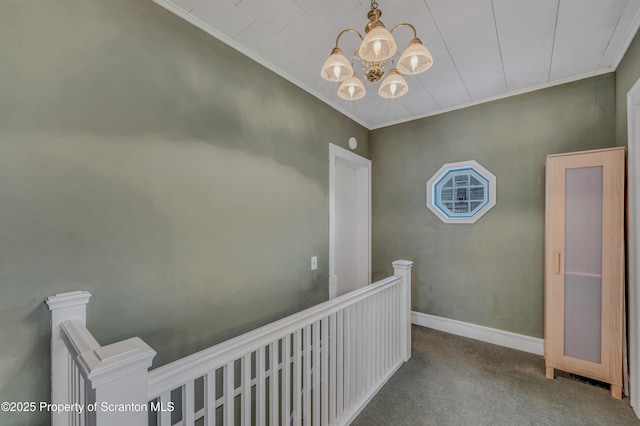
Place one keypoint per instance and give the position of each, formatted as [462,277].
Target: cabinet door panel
[583,317]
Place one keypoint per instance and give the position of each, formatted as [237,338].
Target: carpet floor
[452,380]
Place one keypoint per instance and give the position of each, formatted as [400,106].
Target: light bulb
[414,63]
[337,67]
[377,46]
[415,59]
[351,89]
[393,86]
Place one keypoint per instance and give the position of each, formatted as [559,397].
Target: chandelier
[377,47]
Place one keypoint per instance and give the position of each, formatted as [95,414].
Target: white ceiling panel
[477,57]
[418,101]
[444,83]
[351,14]
[380,110]
[289,61]
[585,29]
[259,39]
[482,49]
[474,48]
[185,5]
[526,31]
[461,15]
[222,15]
[274,15]
[306,35]
[616,47]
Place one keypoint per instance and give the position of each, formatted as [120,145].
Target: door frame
[633,158]
[339,155]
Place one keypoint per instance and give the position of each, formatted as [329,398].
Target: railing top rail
[175,374]
[77,338]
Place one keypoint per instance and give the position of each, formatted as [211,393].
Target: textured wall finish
[181,183]
[489,273]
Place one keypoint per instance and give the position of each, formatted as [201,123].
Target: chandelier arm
[348,31]
[405,24]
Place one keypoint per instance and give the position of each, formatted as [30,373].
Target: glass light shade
[351,89]
[378,45]
[336,67]
[415,59]
[393,86]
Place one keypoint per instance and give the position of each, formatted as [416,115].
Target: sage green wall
[627,74]
[489,273]
[182,184]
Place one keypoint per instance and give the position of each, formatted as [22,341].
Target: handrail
[174,374]
[77,338]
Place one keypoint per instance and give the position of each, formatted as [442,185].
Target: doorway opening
[349,221]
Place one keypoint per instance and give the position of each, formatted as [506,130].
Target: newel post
[402,268]
[119,382]
[63,307]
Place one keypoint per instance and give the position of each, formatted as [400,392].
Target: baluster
[373,335]
[228,410]
[297,377]
[83,400]
[316,373]
[188,405]
[382,319]
[74,386]
[374,338]
[346,367]
[273,384]
[339,363]
[286,381]
[394,328]
[325,371]
[306,396]
[164,416]
[260,388]
[396,322]
[354,353]
[387,328]
[366,328]
[245,390]
[332,367]
[360,350]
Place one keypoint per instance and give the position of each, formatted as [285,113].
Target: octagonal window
[461,192]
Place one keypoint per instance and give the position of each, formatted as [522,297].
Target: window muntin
[461,192]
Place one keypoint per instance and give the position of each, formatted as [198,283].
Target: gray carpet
[452,380]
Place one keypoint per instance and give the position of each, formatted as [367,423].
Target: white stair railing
[93,384]
[320,366]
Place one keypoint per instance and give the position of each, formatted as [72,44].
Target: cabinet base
[616,390]
[550,373]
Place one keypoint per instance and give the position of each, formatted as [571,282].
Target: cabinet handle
[556,263]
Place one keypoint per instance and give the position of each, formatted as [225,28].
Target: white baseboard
[521,342]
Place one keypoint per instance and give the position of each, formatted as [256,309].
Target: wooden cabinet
[584,265]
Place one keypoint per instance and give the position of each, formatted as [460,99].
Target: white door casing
[349,221]
[633,158]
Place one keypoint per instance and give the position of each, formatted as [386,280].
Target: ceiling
[482,49]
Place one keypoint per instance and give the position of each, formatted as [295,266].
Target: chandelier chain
[374,5]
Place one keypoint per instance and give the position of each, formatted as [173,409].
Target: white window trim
[461,165]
